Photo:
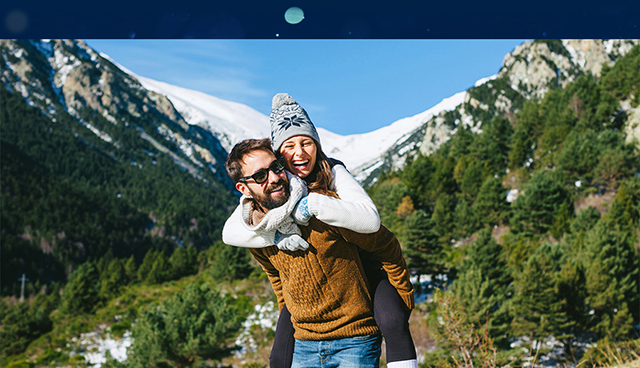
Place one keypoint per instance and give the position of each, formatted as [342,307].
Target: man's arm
[272,273]
[385,245]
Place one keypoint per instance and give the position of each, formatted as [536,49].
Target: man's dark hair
[238,152]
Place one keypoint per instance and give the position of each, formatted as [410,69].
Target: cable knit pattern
[324,287]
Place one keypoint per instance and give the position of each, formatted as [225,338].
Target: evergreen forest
[556,266]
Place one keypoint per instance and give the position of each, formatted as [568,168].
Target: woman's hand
[302,215]
[291,242]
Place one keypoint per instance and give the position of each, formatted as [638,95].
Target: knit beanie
[289,119]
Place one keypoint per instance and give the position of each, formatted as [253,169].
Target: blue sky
[346,86]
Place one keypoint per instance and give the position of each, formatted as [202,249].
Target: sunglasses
[261,175]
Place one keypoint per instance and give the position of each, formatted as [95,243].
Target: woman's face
[300,155]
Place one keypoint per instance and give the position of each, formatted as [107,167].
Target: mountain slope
[94,165]
[529,72]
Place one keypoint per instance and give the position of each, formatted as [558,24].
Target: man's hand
[302,215]
[291,242]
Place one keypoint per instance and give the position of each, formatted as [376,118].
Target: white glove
[302,215]
[291,242]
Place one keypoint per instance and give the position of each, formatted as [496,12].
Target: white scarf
[278,218]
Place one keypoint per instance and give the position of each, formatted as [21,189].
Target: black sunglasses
[261,175]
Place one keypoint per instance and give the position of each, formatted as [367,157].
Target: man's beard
[269,202]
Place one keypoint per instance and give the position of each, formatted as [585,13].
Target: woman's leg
[393,320]
[283,343]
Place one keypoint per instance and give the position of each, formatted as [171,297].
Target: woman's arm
[354,210]
[234,233]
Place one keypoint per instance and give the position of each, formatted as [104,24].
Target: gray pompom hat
[289,119]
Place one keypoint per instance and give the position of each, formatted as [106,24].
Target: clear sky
[346,86]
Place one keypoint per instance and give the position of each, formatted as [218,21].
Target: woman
[295,138]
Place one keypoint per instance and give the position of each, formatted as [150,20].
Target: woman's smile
[300,155]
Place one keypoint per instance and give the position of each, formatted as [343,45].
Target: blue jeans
[354,352]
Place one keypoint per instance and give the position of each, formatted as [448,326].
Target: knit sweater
[324,287]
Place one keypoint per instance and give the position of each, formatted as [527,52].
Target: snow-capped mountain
[361,153]
[229,121]
[202,128]
[528,72]
[232,122]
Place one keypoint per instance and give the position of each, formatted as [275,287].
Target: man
[323,286]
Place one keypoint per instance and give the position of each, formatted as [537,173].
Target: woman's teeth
[301,163]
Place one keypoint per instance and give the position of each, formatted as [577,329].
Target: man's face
[274,192]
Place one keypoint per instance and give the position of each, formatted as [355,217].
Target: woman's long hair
[320,177]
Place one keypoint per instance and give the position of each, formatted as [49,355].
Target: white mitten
[301,214]
[291,242]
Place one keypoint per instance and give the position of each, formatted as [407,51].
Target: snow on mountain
[357,150]
[229,121]
[232,122]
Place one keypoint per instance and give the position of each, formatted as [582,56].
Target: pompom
[282,99]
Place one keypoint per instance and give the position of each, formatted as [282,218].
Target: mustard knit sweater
[324,287]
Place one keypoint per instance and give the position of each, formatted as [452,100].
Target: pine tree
[416,176]
[483,286]
[562,222]
[493,145]
[387,196]
[612,271]
[529,126]
[465,218]
[473,179]
[183,262]
[147,264]
[625,209]
[535,210]
[24,322]
[131,270]
[539,308]
[184,330]
[585,220]
[232,263]
[160,271]
[422,249]
[81,294]
[443,218]
[114,279]
[443,181]
[491,204]
[579,155]
[519,153]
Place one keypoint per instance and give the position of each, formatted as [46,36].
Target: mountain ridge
[529,71]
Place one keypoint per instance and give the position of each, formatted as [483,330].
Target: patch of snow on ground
[95,345]
[512,195]
[264,316]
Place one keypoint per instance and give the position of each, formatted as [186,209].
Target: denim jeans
[354,352]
